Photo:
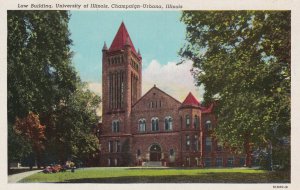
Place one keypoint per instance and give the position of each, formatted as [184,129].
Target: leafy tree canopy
[243,60]
[42,81]
[39,68]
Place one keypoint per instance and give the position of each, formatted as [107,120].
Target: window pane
[208,144]
[166,124]
[219,162]
[171,152]
[153,125]
[187,120]
[230,162]
[207,162]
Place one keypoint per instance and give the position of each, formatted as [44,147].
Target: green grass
[162,175]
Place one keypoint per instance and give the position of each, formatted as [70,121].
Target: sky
[158,34]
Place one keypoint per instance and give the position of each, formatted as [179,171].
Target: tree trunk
[248,152]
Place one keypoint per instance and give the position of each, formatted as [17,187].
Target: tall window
[188,161]
[208,144]
[154,124]
[110,146]
[196,122]
[196,143]
[142,125]
[187,142]
[118,146]
[168,123]
[187,121]
[208,126]
[116,126]
[138,152]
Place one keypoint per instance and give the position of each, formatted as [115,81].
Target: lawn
[161,175]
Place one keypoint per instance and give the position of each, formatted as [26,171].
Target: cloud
[95,87]
[176,80]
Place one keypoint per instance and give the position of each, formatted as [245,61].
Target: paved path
[17,177]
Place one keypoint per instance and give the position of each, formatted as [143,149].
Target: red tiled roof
[207,109]
[191,100]
[120,39]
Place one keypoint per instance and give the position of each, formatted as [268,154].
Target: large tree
[31,128]
[42,80]
[72,131]
[243,60]
[40,73]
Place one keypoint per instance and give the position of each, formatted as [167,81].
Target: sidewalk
[17,177]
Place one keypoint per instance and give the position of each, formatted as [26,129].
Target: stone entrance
[155,153]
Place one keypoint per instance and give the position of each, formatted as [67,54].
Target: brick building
[153,129]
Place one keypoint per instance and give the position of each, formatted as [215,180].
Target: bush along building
[154,129]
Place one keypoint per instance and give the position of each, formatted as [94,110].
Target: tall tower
[121,87]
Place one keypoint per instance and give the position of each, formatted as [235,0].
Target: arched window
[142,125]
[208,126]
[168,123]
[154,124]
[187,121]
[196,122]
[116,126]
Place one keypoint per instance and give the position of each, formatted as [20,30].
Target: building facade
[153,129]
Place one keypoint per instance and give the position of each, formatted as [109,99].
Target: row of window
[114,146]
[218,162]
[155,104]
[196,122]
[171,152]
[194,145]
[113,162]
[208,145]
[168,124]
[134,64]
[115,60]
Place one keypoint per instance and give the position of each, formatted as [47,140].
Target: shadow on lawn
[270,177]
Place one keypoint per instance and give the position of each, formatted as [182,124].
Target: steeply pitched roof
[149,91]
[121,38]
[191,100]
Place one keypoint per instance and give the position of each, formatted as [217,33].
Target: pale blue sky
[158,34]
